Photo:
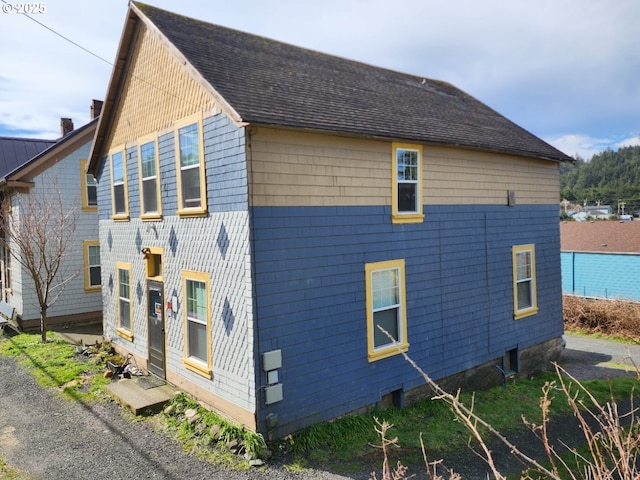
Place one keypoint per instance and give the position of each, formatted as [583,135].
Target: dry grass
[615,318]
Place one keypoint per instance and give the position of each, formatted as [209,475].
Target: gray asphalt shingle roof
[273,83]
[15,152]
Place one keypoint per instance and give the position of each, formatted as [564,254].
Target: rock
[169,410]
[256,462]
[215,431]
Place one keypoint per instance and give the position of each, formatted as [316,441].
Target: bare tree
[39,235]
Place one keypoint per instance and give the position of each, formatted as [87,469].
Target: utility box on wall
[271,362]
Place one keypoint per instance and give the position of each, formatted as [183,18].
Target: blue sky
[566,70]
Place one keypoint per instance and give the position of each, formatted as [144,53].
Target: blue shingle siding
[602,275]
[103,188]
[310,297]
[133,182]
[225,168]
[167,155]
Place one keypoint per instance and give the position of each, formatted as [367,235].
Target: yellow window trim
[83,181]
[119,216]
[148,263]
[87,274]
[397,217]
[403,345]
[518,314]
[192,364]
[126,334]
[153,137]
[202,210]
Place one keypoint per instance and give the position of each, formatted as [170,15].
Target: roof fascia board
[191,70]
[51,155]
[117,80]
[408,140]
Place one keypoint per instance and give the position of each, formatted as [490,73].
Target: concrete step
[138,396]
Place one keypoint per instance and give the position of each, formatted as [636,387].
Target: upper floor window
[525,301]
[386,309]
[149,178]
[89,189]
[192,198]
[119,185]
[407,184]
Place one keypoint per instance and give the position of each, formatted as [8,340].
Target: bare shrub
[601,316]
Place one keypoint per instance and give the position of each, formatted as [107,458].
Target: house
[601,259]
[264,208]
[41,172]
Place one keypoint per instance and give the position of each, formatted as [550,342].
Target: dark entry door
[155,302]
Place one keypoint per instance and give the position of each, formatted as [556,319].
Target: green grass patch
[56,364]
[7,472]
[352,439]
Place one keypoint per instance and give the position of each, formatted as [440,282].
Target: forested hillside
[609,178]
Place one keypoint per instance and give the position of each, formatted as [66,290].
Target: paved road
[588,358]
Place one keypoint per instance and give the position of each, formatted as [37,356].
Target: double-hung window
[125,327]
[525,301]
[407,183]
[386,309]
[119,185]
[89,189]
[92,271]
[149,178]
[197,329]
[192,198]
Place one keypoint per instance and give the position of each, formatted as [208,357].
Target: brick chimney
[96,108]
[66,126]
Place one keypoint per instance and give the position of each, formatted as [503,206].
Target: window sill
[407,218]
[197,367]
[150,217]
[124,334]
[388,352]
[196,212]
[120,218]
[89,209]
[525,313]
[93,289]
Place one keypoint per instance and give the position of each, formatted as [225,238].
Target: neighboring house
[602,212]
[61,165]
[264,208]
[601,259]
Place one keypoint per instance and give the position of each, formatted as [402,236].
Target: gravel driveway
[50,438]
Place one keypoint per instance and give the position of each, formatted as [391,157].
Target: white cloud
[550,66]
[585,147]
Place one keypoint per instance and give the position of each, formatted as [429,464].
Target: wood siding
[303,169]
[217,244]
[157,91]
[310,297]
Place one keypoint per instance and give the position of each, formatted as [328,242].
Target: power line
[62,36]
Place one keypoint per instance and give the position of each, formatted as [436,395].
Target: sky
[568,71]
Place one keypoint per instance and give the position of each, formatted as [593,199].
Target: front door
[155,317]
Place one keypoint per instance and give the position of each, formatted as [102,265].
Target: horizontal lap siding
[310,297]
[602,275]
[296,169]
